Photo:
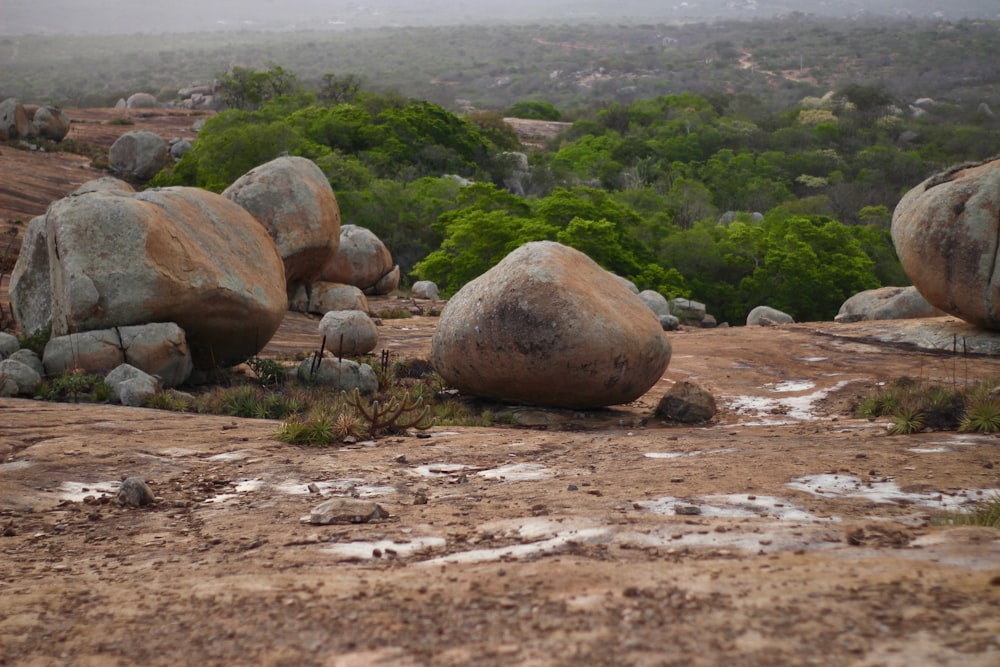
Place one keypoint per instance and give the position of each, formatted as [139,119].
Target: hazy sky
[20,17]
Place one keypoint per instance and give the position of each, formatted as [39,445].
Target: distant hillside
[26,17]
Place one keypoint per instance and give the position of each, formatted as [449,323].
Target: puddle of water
[353,486]
[885,492]
[14,465]
[518,472]
[77,491]
[597,535]
[439,469]
[966,440]
[812,359]
[730,506]
[681,455]
[930,450]
[238,455]
[798,408]
[790,386]
[366,550]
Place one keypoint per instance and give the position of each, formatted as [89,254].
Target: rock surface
[548,326]
[292,198]
[946,235]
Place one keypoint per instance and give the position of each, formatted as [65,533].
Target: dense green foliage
[778,190]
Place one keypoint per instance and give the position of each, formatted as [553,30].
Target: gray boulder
[292,199]
[180,255]
[655,301]
[342,374]
[767,316]
[51,123]
[425,289]
[387,283]
[138,155]
[627,283]
[17,379]
[179,148]
[14,122]
[29,359]
[669,322]
[548,326]
[131,386]
[687,402]
[104,184]
[688,311]
[947,235]
[141,101]
[361,261]
[887,303]
[158,349]
[324,297]
[8,344]
[349,332]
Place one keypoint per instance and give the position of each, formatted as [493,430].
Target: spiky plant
[981,416]
[907,420]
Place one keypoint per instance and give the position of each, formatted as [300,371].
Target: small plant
[394,313]
[984,513]
[172,401]
[36,341]
[906,421]
[982,416]
[121,120]
[268,372]
[392,415]
[245,401]
[76,387]
[316,431]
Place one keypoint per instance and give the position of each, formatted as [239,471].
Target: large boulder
[548,326]
[138,155]
[655,301]
[180,255]
[361,261]
[158,349]
[51,123]
[8,344]
[425,289]
[292,198]
[688,311]
[17,378]
[886,303]
[946,235]
[14,122]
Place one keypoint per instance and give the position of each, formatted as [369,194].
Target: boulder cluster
[175,280]
[20,121]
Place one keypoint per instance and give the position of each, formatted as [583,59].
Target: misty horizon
[107,17]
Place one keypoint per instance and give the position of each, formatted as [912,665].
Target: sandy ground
[785,532]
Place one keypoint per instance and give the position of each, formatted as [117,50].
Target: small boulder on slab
[349,332]
[887,303]
[687,402]
[548,326]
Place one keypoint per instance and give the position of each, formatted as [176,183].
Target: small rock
[687,510]
[345,510]
[134,492]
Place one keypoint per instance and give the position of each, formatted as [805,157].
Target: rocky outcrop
[292,199]
[947,235]
[30,288]
[170,255]
[688,311]
[886,303]
[548,326]
[138,155]
[362,260]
